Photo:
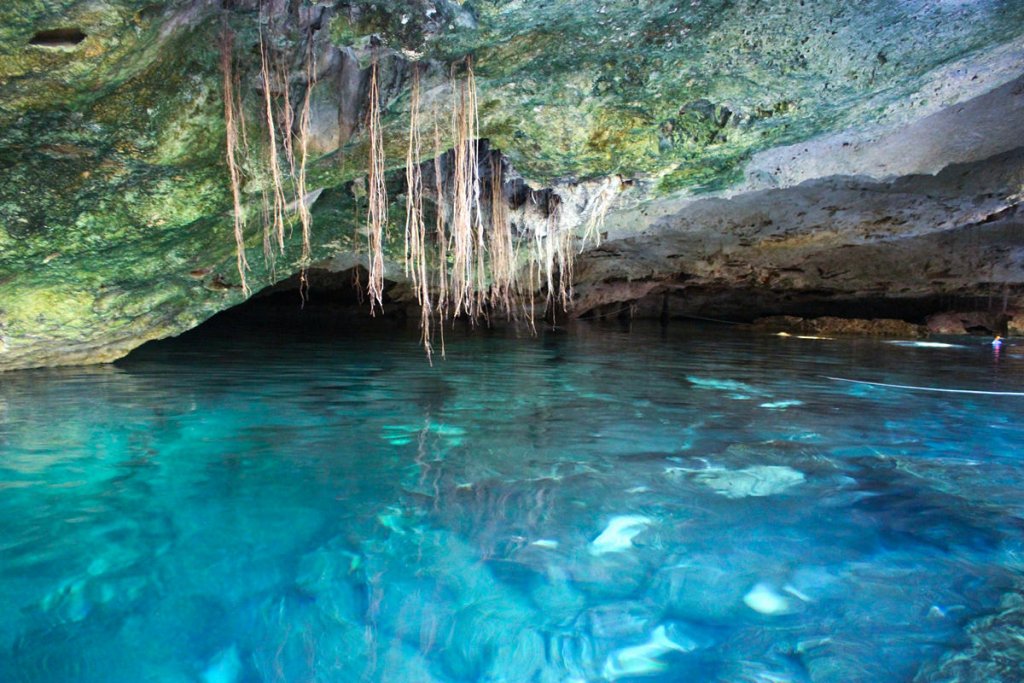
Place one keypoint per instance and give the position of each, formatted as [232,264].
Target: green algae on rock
[115,217]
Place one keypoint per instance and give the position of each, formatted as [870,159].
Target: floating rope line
[935,389]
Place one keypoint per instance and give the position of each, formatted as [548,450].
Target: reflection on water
[582,506]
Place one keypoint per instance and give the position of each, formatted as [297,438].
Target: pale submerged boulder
[764,599]
[619,534]
[758,480]
[644,659]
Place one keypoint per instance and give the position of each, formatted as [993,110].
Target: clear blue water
[590,505]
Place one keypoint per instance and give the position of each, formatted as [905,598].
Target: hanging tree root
[478,256]
[465,169]
[503,261]
[232,145]
[598,211]
[281,122]
[415,229]
[440,235]
[278,203]
[305,218]
[377,214]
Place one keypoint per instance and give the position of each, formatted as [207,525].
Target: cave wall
[771,154]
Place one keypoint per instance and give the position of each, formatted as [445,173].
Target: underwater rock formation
[753,158]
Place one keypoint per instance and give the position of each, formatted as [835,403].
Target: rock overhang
[117,192]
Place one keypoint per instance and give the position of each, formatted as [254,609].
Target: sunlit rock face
[767,157]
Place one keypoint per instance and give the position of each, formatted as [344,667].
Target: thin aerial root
[462,202]
[285,114]
[598,211]
[441,236]
[277,215]
[473,162]
[377,215]
[415,229]
[304,123]
[502,251]
[226,44]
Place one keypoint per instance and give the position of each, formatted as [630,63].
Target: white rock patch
[619,534]
[755,481]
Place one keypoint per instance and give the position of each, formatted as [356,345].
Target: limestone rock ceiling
[788,152]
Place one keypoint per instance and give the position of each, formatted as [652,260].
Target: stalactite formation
[377,213]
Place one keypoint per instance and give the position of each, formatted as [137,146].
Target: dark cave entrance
[336,304]
[330,302]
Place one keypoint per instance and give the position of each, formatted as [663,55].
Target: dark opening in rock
[58,37]
[334,300]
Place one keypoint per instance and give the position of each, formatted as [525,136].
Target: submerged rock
[738,390]
[225,667]
[755,481]
[994,654]
[702,588]
[644,659]
[619,534]
[764,599]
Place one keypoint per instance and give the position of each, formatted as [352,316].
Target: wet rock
[829,325]
[816,181]
[616,576]
[969,322]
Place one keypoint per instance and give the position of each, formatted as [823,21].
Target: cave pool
[691,504]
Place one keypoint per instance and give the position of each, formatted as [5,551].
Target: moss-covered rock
[115,210]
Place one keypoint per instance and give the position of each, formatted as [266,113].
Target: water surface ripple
[591,505]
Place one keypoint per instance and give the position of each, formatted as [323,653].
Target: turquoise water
[589,505]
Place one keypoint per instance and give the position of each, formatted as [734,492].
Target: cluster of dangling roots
[474,252]
[470,261]
[284,159]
